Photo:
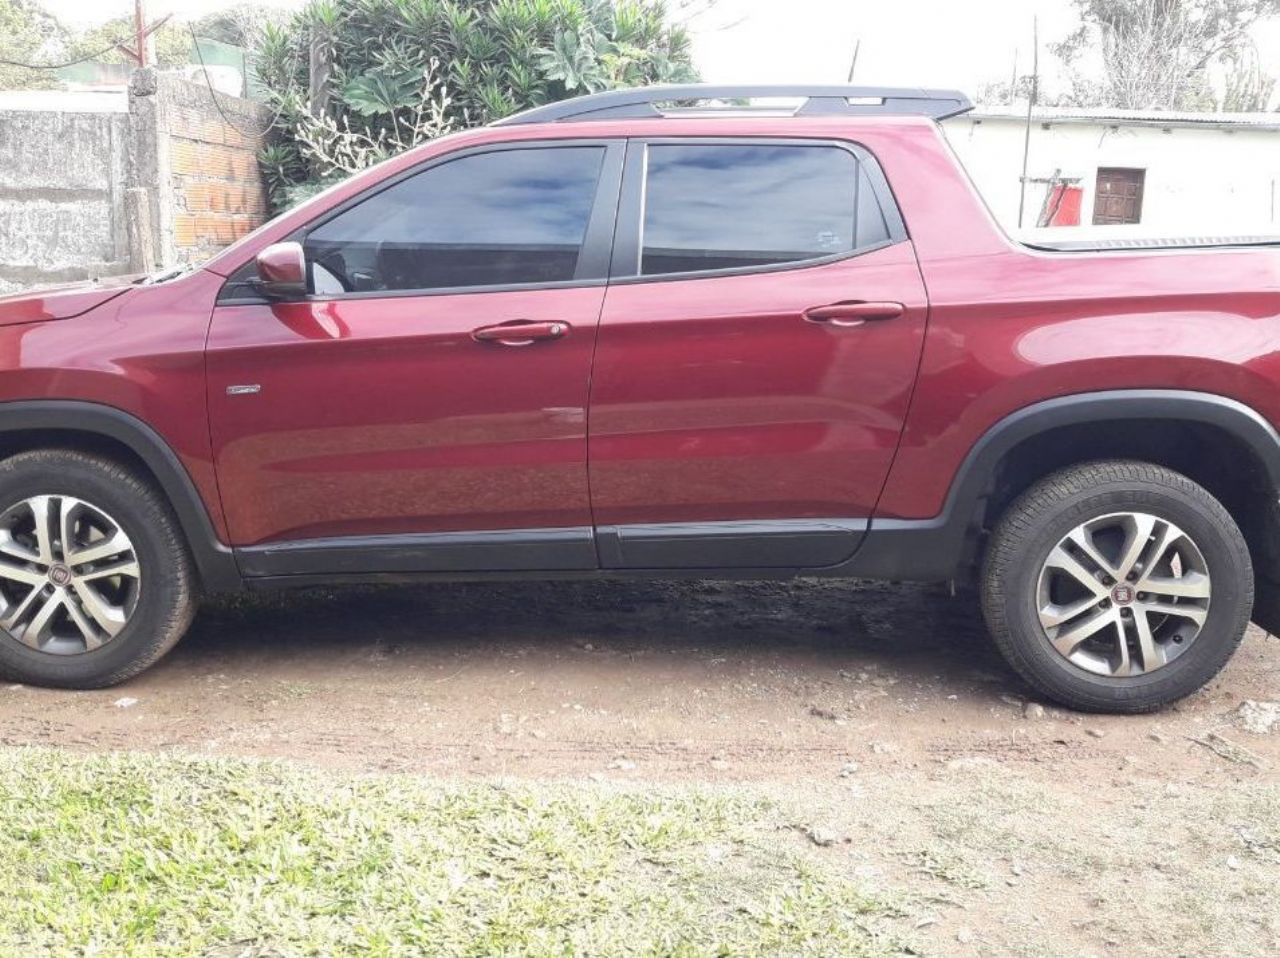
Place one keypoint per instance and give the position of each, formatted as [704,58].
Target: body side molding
[782,547]
[214,560]
[503,550]
[761,544]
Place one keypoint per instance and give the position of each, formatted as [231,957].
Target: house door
[1118,198]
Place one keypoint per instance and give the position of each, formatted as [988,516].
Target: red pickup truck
[622,336]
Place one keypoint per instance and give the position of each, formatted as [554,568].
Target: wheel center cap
[1123,594]
[59,574]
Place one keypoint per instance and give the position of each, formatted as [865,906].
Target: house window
[1118,198]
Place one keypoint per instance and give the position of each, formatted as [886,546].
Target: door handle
[853,314]
[520,332]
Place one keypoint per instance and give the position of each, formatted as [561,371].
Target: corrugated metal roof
[1106,117]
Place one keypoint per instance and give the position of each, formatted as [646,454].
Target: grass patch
[144,855]
[943,863]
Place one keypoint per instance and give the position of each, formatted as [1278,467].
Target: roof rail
[640,102]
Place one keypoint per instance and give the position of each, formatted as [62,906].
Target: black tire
[1034,524]
[166,597]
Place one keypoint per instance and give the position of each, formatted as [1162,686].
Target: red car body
[687,424]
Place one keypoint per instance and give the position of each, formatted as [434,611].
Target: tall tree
[1247,87]
[28,34]
[172,42]
[240,24]
[1157,54]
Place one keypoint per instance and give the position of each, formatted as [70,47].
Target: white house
[1125,173]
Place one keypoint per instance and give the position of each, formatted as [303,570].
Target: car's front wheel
[95,580]
[1117,586]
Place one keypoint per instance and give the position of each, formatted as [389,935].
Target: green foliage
[573,62]
[381,91]
[394,72]
[282,165]
[28,35]
[172,42]
[239,24]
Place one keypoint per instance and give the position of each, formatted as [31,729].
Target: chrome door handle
[521,332]
[853,314]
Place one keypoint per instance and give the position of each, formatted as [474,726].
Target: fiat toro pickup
[624,335]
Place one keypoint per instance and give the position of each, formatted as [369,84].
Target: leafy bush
[28,34]
[355,81]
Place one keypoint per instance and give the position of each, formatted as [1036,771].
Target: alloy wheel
[69,575]
[1124,594]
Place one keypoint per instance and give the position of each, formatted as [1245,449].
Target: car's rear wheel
[95,580]
[1117,586]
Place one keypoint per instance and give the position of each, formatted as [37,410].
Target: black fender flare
[934,549]
[214,561]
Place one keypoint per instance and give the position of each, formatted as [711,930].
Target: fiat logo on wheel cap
[59,575]
[1122,594]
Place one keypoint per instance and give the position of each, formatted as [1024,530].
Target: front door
[756,355]
[425,408]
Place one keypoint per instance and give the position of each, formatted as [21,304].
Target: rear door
[755,357]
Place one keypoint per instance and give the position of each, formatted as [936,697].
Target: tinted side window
[726,206]
[507,217]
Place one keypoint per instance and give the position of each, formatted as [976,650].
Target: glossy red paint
[1011,326]
[141,352]
[713,398]
[59,302]
[283,264]
[385,415]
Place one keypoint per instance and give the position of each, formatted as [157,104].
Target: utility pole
[139,53]
[1031,105]
[140,31]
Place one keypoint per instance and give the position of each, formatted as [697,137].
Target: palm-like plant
[401,70]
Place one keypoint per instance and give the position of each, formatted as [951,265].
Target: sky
[940,43]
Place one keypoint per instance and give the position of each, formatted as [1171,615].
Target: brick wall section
[217,190]
[100,185]
[209,192]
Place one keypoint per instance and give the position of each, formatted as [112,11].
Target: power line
[61,66]
[213,94]
[195,41]
[139,55]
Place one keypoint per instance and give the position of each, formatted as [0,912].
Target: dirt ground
[878,712]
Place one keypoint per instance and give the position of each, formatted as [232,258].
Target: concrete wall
[62,199]
[1200,180]
[100,184]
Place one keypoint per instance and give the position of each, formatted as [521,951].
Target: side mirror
[282,271]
